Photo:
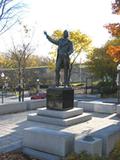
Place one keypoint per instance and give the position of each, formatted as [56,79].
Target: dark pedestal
[60,98]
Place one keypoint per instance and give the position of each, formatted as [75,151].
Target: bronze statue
[65,48]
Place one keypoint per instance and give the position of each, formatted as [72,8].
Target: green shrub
[115,154]
[72,156]
[106,88]
[76,84]
[84,156]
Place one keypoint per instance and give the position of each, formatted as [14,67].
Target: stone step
[57,121]
[60,114]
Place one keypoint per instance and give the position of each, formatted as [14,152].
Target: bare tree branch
[10,11]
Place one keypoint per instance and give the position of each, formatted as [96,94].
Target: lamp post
[86,85]
[2,77]
[118,82]
[38,86]
[6,84]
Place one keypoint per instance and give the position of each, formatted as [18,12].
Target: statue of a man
[65,48]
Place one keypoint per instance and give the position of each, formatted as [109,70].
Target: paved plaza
[12,127]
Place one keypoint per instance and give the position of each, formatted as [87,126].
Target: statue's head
[65,34]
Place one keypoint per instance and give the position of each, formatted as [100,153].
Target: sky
[88,16]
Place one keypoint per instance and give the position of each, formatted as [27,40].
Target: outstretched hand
[45,33]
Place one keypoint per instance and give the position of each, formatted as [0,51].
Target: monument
[60,108]
[53,143]
[61,98]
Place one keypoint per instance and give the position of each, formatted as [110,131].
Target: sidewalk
[11,130]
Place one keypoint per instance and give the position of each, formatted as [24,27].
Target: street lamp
[2,77]
[86,85]
[38,85]
[118,82]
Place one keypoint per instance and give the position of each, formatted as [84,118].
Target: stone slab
[96,106]
[60,114]
[75,103]
[108,108]
[34,104]
[110,136]
[57,121]
[93,147]
[50,141]
[13,108]
[87,106]
[39,155]
[118,109]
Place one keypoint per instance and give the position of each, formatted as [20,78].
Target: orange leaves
[116,7]
[113,29]
[114,52]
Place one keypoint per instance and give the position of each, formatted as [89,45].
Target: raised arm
[50,39]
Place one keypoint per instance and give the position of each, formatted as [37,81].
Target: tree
[81,42]
[5,62]
[9,13]
[114,50]
[102,65]
[116,7]
[37,61]
[19,56]
[113,46]
[113,29]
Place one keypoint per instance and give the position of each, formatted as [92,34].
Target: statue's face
[65,34]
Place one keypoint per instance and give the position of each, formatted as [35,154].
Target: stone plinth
[61,118]
[49,141]
[60,98]
[60,114]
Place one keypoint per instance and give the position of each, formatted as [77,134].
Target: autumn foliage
[116,7]
[114,52]
[113,29]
